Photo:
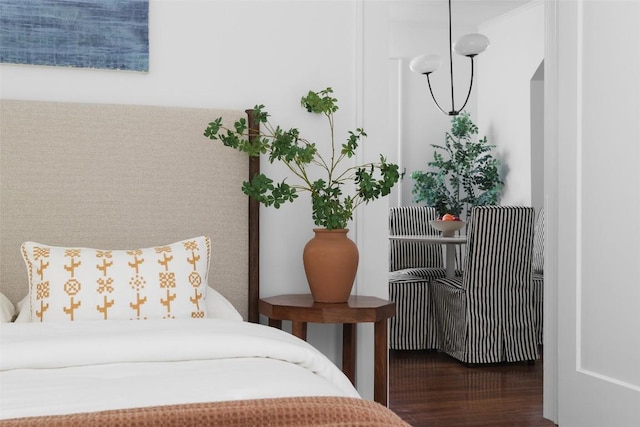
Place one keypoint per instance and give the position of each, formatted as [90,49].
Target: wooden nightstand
[301,309]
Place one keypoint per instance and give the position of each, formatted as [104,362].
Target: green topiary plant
[332,208]
[463,172]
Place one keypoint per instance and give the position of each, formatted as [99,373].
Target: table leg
[299,329]
[275,323]
[380,361]
[450,260]
[349,351]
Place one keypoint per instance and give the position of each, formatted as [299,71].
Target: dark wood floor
[431,389]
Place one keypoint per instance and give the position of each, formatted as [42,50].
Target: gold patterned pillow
[164,282]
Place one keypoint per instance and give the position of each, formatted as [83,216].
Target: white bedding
[70,367]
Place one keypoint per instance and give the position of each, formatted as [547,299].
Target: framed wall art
[106,34]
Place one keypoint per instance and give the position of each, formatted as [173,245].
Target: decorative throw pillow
[164,282]
[218,307]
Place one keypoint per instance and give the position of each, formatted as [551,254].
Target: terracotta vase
[330,263]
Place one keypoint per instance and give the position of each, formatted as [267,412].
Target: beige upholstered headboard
[124,177]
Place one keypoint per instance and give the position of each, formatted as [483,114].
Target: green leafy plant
[463,172]
[332,206]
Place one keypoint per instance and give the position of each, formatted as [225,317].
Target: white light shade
[425,64]
[471,44]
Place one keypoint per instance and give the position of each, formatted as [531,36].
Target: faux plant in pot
[330,258]
[462,174]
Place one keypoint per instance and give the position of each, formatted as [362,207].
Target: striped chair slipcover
[414,325]
[414,258]
[538,274]
[486,316]
[411,266]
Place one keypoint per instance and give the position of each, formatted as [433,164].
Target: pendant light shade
[425,64]
[471,44]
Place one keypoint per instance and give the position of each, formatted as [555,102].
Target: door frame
[551,173]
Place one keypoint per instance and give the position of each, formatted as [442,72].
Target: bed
[130,257]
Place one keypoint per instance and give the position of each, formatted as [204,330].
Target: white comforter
[57,368]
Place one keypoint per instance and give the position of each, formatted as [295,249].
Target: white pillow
[218,307]
[163,282]
[24,314]
[7,309]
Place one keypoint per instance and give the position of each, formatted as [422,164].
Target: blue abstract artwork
[108,34]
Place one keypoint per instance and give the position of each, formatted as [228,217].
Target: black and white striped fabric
[414,326]
[414,258]
[538,305]
[486,316]
[411,267]
[538,244]
[538,274]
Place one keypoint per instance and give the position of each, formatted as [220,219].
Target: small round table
[301,309]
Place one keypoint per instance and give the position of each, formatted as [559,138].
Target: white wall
[372,219]
[500,101]
[504,96]
[421,123]
[537,139]
[236,54]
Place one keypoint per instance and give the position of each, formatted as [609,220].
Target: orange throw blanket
[285,412]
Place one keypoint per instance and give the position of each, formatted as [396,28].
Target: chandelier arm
[470,87]
[432,95]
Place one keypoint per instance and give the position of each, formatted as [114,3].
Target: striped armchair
[486,316]
[538,274]
[411,267]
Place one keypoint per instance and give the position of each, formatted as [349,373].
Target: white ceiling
[471,12]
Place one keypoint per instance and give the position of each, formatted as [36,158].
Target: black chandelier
[468,45]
